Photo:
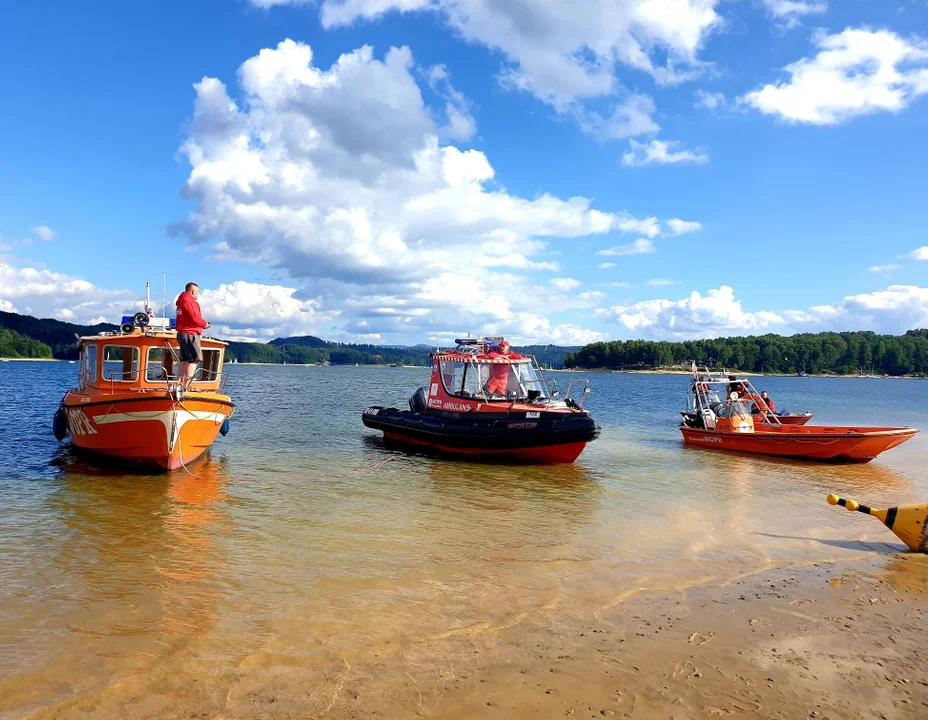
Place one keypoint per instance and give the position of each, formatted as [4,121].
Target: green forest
[311,349]
[15,345]
[50,338]
[846,353]
[23,336]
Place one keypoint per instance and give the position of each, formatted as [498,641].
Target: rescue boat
[484,404]
[727,424]
[129,405]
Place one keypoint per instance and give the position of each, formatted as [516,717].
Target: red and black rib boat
[486,401]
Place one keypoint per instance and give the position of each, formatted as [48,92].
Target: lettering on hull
[78,423]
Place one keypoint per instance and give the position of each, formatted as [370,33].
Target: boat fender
[224,428]
[60,424]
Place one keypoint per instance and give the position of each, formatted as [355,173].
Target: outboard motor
[419,400]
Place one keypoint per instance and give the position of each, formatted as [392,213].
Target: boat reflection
[131,576]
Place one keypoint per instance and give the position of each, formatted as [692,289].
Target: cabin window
[530,382]
[89,363]
[120,363]
[463,379]
[210,367]
[160,365]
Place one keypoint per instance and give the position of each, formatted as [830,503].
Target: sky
[382,170]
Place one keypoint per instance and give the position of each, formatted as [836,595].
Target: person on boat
[758,408]
[736,386]
[768,401]
[190,325]
[498,384]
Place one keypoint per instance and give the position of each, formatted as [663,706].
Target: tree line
[845,353]
[15,345]
[27,336]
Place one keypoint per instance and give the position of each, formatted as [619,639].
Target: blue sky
[347,168]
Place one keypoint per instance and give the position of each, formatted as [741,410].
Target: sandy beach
[843,640]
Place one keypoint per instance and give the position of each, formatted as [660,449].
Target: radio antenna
[164,297]
[435,329]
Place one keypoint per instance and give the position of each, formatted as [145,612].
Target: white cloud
[661,282]
[44,294]
[44,233]
[714,314]
[606,265]
[718,313]
[883,268]
[460,124]
[561,52]
[631,118]
[790,11]
[919,253]
[257,311]
[680,227]
[660,152]
[891,311]
[856,72]
[338,178]
[709,101]
[641,246]
[565,284]
[649,227]
[619,284]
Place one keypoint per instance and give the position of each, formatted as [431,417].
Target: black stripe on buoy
[864,509]
[842,502]
[891,517]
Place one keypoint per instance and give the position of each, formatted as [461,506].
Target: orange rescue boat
[128,405]
[728,425]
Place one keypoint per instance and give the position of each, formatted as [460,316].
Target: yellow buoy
[909,522]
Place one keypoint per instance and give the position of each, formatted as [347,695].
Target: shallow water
[302,539]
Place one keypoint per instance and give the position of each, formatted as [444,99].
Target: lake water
[302,546]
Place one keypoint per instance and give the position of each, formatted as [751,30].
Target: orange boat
[728,425]
[128,405]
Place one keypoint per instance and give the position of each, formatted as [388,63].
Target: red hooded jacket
[189,319]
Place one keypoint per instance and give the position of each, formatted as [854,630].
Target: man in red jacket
[190,325]
[498,384]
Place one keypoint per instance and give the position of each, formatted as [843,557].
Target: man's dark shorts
[190,350]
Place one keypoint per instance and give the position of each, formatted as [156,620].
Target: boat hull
[550,438]
[154,432]
[823,444]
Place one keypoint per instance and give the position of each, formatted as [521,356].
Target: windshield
[492,381]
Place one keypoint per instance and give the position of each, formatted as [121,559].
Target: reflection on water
[300,546]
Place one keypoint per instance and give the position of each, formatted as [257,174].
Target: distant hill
[56,335]
[26,336]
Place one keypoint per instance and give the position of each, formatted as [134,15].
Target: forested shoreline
[24,336]
[845,353]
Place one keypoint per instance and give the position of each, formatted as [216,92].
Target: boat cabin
[143,359]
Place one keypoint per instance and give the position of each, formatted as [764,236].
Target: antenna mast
[147,297]
[164,297]
[435,329]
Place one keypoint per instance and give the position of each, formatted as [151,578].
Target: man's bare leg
[186,371]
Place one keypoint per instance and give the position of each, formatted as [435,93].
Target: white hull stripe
[173,420]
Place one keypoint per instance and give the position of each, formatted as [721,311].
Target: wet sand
[842,640]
